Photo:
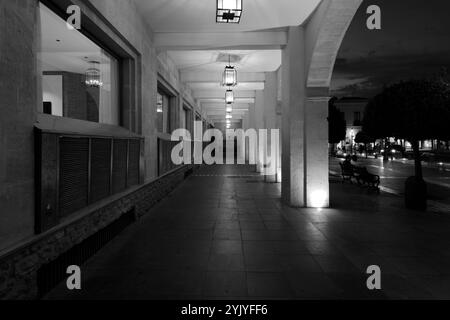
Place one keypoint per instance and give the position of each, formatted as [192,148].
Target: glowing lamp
[318,199]
[229,97]
[229,77]
[93,75]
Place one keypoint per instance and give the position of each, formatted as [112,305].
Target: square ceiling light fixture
[229,11]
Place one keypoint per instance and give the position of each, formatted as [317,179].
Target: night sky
[414,43]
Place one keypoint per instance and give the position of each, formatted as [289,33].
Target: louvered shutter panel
[100,169]
[119,174]
[73,174]
[134,159]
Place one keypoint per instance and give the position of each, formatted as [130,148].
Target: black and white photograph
[224,156]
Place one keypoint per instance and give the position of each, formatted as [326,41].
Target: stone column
[293,109]
[317,161]
[252,125]
[270,123]
[245,127]
[259,124]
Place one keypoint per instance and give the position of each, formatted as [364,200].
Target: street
[394,174]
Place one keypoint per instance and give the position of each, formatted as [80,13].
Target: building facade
[353,110]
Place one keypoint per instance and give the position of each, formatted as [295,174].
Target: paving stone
[218,236]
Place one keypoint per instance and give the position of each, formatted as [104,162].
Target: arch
[325,32]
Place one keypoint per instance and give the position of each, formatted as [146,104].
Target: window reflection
[79,78]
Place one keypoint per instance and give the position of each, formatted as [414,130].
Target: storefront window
[79,78]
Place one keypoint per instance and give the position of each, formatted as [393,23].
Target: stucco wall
[18,92]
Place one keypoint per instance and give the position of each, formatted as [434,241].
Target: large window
[79,78]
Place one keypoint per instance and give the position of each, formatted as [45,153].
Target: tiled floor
[224,234]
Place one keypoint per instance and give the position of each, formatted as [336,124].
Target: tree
[414,110]
[336,123]
[365,139]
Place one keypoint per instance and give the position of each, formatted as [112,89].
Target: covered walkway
[92,110]
[224,234]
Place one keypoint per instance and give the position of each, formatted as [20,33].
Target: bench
[361,175]
[347,172]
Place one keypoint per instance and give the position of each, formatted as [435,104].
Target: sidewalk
[434,206]
[436,164]
[224,234]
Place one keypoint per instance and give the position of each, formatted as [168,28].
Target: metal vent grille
[100,169]
[73,174]
[134,159]
[165,163]
[74,171]
[120,158]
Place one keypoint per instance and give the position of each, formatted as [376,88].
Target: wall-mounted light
[229,11]
[93,75]
[229,97]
